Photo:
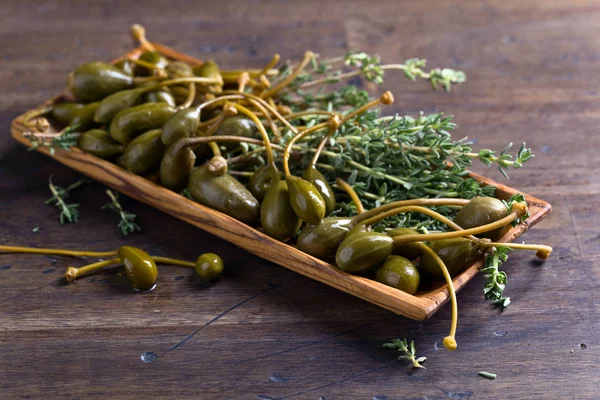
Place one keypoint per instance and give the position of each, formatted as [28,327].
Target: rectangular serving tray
[419,306]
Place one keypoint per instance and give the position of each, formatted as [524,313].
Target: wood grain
[531,76]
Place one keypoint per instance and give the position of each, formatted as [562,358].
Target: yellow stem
[350,191]
[286,153]
[139,33]
[266,105]
[190,97]
[270,65]
[288,79]
[173,261]
[449,341]
[28,116]
[58,252]
[73,273]
[192,79]
[413,202]
[542,251]
[261,129]
[465,232]
[419,209]
[386,98]
[242,81]
[309,112]
[215,149]
[267,116]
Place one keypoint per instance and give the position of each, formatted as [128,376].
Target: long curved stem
[450,235]
[386,98]
[413,202]
[270,65]
[288,79]
[353,196]
[58,252]
[449,341]
[267,116]
[542,251]
[419,209]
[261,129]
[173,261]
[73,273]
[190,97]
[286,153]
[266,105]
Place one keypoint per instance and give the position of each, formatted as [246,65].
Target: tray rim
[419,307]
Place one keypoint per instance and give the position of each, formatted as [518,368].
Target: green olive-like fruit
[111,105]
[176,166]
[398,272]
[358,228]
[457,254]
[314,176]
[99,143]
[276,214]
[144,152]
[237,125]
[322,240]
[223,193]
[95,80]
[209,266]
[162,95]
[481,211]
[63,113]
[306,200]
[363,251]
[263,179]
[83,118]
[182,124]
[130,122]
[179,69]
[140,268]
[126,66]
[409,250]
[151,57]
[208,69]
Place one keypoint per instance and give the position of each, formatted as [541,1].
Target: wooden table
[264,332]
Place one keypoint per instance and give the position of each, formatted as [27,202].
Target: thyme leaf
[408,351]
[495,280]
[69,212]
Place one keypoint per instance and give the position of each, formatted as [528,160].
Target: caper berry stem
[264,104]
[350,191]
[301,114]
[267,116]
[335,122]
[139,33]
[289,79]
[449,341]
[215,149]
[242,81]
[542,251]
[147,65]
[463,233]
[190,97]
[261,129]
[190,79]
[194,141]
[33,114]
[73,273]
[386,98]
[270,64]
[58,252]
[419,209]
[413,202]
[173,261]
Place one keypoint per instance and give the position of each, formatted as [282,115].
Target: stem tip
[71,274]
[450,343]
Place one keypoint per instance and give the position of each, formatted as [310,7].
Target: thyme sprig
[63,140]
[408,350]
[69,212]
[127,223]
[495,280]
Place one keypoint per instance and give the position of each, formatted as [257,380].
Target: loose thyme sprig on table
[127,223]
[409,352]
[69,212]
[495,280]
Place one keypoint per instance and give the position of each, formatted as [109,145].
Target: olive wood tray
[419,306]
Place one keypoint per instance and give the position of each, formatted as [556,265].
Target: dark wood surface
[264,332]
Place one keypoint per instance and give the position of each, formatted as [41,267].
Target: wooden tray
[420,306]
